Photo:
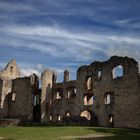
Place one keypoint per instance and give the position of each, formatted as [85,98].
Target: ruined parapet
[47,78]
[66,76]
[11,71]
[34,81]
[5,87]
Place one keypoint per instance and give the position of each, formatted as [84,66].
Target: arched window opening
[59,118]
[117,71]
[68,114]
[88,100]
[89,83]
[109,98]
[86,114]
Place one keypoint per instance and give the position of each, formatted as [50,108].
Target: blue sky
[65,34]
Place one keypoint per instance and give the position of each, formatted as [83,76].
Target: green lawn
[68,133]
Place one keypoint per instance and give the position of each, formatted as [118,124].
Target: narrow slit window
[14,96]
[35,100]
[99,74]
[89,83]
[51,117]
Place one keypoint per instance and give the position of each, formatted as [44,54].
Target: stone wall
[63,100]
[21,106]
[17,95]
[10,72]
[103,96]
[123,109]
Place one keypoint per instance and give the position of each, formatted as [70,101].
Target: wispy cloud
[66,34]
[129,23]
[77,44]
[15,7]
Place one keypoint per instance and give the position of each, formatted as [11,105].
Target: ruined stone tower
[66,76]
[47,79]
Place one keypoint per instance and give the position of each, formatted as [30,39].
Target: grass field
[68,133]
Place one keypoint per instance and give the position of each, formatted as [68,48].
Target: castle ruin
[103,94]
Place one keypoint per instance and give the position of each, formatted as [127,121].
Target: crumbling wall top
[11,71]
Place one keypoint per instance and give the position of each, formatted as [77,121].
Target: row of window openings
[87,100]
[116,72]
[69,94]
[108,99]
[59,116]
[85,114]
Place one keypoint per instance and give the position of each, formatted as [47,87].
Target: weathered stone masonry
[104,94]
[97,95]
[17,94]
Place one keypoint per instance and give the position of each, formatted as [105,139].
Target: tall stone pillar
[47,81]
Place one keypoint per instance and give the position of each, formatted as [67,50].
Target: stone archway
[90,116]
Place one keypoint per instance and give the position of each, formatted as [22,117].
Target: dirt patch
[87,137]
[2,138]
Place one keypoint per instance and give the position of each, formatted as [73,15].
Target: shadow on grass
[116,131]
[107,133]
[118,137]
[41,125]
[117,134]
